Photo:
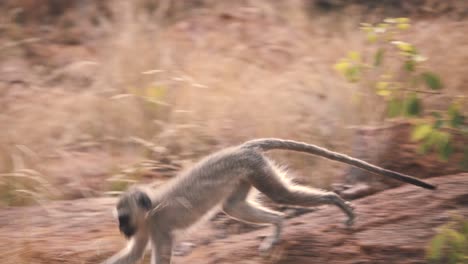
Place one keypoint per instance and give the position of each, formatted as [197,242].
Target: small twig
[419,91]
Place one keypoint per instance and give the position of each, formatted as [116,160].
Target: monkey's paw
[267,245]
[350,221]
[351,216]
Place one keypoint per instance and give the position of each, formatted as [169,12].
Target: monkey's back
[195,192]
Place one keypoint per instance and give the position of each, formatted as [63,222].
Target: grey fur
[225,178]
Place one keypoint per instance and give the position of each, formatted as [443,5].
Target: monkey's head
[132,209]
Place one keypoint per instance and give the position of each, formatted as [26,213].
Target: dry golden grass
[215,77]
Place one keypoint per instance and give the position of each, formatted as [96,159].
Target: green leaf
[371,37]
[404,47]
[366,27]
[402,20]
[413,106]
[382,85]
[457,240]
[353,73]
[421,132]
[342,66]
[445,150]
[464,166]
[436,114]
[430,141]
[378,57]
[450,245]
[436,246]
[395,107]
[432,80]
[424,147]
[403,23]
[465,228]
[384,92]
[403,26]
[155,92]
[456,118]
[354,56]
[438,123]
[410,65]
[441,141]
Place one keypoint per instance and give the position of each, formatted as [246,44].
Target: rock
[393,226]
[357,191]
[183,249]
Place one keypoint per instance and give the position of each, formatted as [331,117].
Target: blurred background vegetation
[95,94]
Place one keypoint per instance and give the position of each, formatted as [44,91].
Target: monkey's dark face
[125,225]
[131,211]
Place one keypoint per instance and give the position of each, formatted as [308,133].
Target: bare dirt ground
[393,226]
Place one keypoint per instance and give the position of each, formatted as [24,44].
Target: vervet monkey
[225,178]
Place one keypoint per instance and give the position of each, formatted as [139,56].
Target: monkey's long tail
[273,143]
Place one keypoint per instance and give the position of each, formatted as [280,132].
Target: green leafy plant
[450,245]
[396,72]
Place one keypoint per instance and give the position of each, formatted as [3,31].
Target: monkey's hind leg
[270,182]
[239,208]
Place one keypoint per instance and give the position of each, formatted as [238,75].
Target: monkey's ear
[143,200]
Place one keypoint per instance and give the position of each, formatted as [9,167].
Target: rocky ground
[394,226]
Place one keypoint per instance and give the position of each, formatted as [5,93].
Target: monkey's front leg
[345,206]
[161,248]
[132,253]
